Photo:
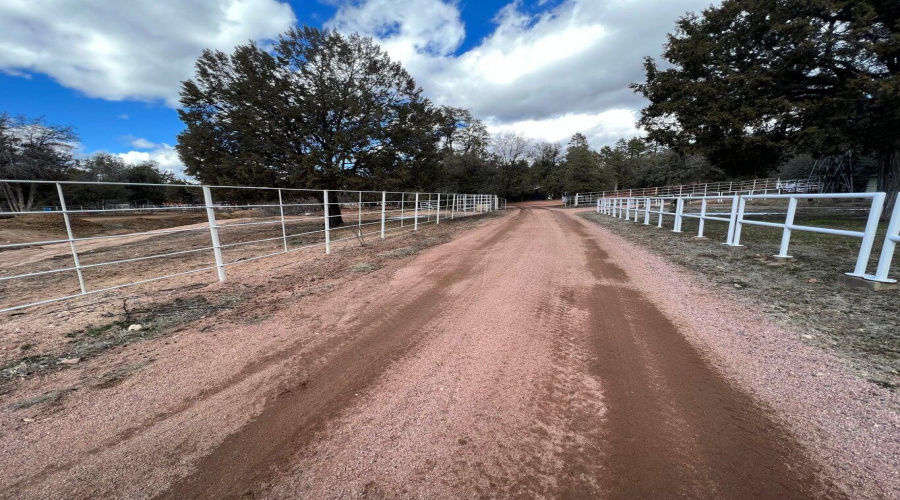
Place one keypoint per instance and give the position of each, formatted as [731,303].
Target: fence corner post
[868,240]
[890,245]
[416,214]
[786,233]
[679,209]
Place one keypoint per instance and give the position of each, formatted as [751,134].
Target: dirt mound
[49,222]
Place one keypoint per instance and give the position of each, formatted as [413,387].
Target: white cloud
[122,117]
[600,128]
[549,75]
[128,50]
[140,142]
[163,154]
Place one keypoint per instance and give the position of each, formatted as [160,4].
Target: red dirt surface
[519,360]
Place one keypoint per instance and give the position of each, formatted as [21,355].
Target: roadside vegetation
[860,326]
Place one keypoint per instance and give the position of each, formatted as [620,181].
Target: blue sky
[546,68]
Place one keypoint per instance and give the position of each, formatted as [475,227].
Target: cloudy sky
[548,68]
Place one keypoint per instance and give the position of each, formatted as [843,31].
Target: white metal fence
[755,186]
[737,215]
[232,225]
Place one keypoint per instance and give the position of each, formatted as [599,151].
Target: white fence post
[283,227]
[662,208]
[890,244]
[646,211]
[865,248]
[786,234]
[576,199]
[702,217]
[438,218]
[637,208]
[327,224]
[359,216]
[738,222]
[402,207]
[383,207]
[416,214]
[71,236]
[679,209]
[214,232]
[732,219]
[453,207]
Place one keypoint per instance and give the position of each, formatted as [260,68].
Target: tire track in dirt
[496,403]
[246,461]
[675,426]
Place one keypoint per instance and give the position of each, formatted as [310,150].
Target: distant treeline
[749,89]
[32,149]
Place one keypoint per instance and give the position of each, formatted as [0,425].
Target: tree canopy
[33,149]
[321,109]
[751,81]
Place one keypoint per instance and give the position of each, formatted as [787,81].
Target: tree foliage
[750,82]
[32,148]
[321,109]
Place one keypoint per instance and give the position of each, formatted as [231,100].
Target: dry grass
[861,327]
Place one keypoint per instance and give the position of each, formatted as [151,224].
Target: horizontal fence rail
[755,186]
[733,210]
[221,227]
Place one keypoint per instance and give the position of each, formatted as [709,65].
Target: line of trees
[750,88]
[321,109]
[750,84]
[34,149]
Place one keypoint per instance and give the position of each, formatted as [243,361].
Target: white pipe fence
[298,218]
[630,208]
[754,186]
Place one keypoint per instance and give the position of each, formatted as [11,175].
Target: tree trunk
[334,208]
[15,196]
[889,180]
[31,192]
[334,214]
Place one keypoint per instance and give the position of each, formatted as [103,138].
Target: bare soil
[804,293]
[526,357]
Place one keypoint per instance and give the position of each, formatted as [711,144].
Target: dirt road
[516,361]
[526,366]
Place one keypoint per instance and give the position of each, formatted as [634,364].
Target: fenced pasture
[727,188]
[804,292]
[846,223]
[56,252]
